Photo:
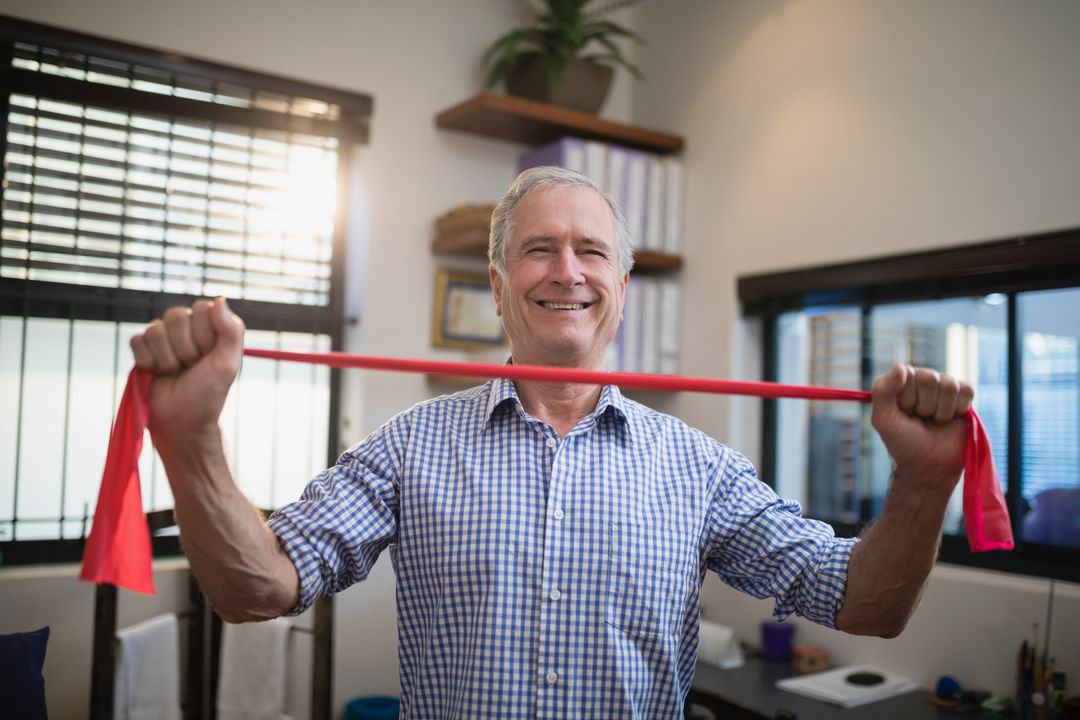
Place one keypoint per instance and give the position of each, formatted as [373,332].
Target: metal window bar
[18,432]
[1015,418]
[66,428]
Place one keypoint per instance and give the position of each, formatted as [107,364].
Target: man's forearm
[889,567]
[236,559]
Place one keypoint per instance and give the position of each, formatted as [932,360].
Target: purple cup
[776,640]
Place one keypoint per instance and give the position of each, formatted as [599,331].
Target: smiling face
[561,295]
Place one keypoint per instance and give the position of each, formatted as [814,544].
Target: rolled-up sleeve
[345,517]
[761,545]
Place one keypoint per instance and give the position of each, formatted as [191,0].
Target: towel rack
[203,648]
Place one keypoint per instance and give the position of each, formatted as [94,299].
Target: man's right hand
[195,354]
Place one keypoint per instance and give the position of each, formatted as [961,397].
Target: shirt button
[551,442]
[555,594]
[551,678]
[559,515]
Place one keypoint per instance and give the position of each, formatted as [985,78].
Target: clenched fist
[918,413]
[195,355]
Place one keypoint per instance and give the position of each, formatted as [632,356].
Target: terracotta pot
[584,85]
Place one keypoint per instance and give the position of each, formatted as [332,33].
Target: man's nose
[568,268]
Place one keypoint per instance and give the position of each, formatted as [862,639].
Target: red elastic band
[544,373]
[118,549]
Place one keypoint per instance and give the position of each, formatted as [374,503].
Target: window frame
[40,299]
[1009,266]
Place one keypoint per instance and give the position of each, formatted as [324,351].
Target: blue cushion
[22,686]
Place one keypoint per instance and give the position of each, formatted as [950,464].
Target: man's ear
[496,287]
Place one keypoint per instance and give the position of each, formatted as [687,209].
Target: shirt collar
[611,401]
[501,390]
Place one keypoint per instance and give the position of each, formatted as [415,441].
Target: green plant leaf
[609,58]
[561,30]
[617,55]
[596,30]
[609,7]
[505,53]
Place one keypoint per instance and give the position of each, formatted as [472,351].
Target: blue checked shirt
[548,578]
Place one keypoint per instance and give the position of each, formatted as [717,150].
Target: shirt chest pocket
[651,567]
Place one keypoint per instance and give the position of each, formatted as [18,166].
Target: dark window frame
[1043,261]
[38,299]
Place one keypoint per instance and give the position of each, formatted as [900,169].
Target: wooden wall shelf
[535,123]
[646,260]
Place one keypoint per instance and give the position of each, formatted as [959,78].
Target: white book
[670,315]
[575,156]
[650,326]
[631,327]
[613,356]
[636,195]
[596,162]
[673,205]
[567,152]
[615,175]
[654,211]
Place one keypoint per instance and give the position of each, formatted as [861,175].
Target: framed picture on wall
[464,314]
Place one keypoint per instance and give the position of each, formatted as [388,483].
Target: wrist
[920,498]
[929,482]
[193,453]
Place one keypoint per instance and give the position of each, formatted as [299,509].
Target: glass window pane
[59,432]
[1050,365]
[966,338]
[11,362]
[39,474]
[95,378]
[818,458]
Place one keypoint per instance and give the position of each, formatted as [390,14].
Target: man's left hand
[918,413]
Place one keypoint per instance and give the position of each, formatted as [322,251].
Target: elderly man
[549,540]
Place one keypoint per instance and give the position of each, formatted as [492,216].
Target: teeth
[563,306]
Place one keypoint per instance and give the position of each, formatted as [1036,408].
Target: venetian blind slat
[102,198]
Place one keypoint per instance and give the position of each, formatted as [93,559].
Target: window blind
[133,180]
[143,201]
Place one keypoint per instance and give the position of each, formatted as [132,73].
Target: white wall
[415,59]
[822,131]
[34,597]
[817,131]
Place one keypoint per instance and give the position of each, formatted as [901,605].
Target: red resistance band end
[986,514]
[118,550]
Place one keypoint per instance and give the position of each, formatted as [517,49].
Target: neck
[560,405]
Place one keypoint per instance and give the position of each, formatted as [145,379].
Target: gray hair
[544,177]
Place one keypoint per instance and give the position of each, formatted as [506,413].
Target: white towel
[148,671]
[251,684]
[718,646]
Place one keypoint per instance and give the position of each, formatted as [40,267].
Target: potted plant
[565,57]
